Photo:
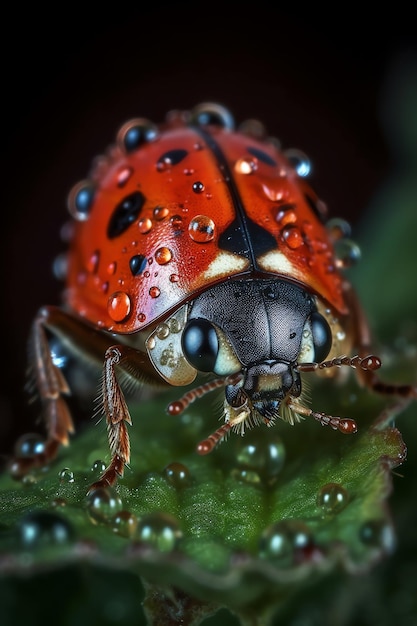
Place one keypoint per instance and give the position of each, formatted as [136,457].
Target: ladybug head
[260,329]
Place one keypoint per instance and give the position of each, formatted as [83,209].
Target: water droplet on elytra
[92,263]
[154,292]
[198,187]
[246,165]
[111,268]
[144,225]
[141,317]
[174,278]
[119,306]
[201,229]
[292,237]
[163,255]
[123,175]
[160,212]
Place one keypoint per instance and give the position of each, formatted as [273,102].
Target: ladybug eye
[208,113]
[322,336]
[135,133]
[200,344]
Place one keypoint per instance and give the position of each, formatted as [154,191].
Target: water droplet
[98,466]
[111,268]
[177,474]
[144,225]
[42,529]
[163,255]
[66,475]
[92,263]
[162,331]
[159,530]
[266,457]
[282,540]
[338,228]
[246,476]
[347,253]
[333,498]
[188,171]
[286,214]
[102,504]
[377,534]
[135,133]
[124,523]
[201,229]
[154,292]
[58,502]
[60,266]
[29,479]
[141,317]
[29,445]
[119,306]
[176,221]
[253,128]
[174,278]
[292,237]
[246,165]
[174,325]
[80,200]
[160,212]
[299,161]
[123,175]
[137,264]
[198,187]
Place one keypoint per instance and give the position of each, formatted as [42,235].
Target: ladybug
[199,249]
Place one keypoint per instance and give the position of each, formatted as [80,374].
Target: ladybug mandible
[199,248]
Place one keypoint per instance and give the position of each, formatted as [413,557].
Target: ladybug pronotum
[197,248]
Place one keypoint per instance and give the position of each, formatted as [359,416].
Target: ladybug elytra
[197,248]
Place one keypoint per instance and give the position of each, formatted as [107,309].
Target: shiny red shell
[192,207]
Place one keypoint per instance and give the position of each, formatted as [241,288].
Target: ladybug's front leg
[362,340]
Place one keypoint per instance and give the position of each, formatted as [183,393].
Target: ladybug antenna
[178,406]
[367,363]
[345,425]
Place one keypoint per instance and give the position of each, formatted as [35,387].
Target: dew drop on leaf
[102,504]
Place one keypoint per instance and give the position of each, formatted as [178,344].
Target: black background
[70,79]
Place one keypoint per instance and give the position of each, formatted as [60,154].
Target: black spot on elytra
[173,156]
[125,213]
[262,156]
[137,264]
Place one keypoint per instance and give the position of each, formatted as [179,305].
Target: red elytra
[211,204]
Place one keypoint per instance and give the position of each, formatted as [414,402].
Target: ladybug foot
[109,476]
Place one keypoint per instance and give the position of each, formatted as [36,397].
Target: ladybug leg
[52,387]
[362,339]
[135,363]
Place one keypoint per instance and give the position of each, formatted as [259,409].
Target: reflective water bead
[333,498]
[299,160]
[102,504]
[118,306]
[135,133]
[28,445]
[42,528]
[177,474]
[66,475]
[154,292]
[162,331]
[338,228]
[98,466]
[201,229]
[292,237]
[124,523]
[198,187]
[60,266]
[123,175]
[347,252]
[266,457]
[163,255]
[377,534]
[282,540]
[160,212]
[159,530]
[246,165]
[144,225]
[80,200]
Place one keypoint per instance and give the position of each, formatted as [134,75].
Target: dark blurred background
[69,79]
